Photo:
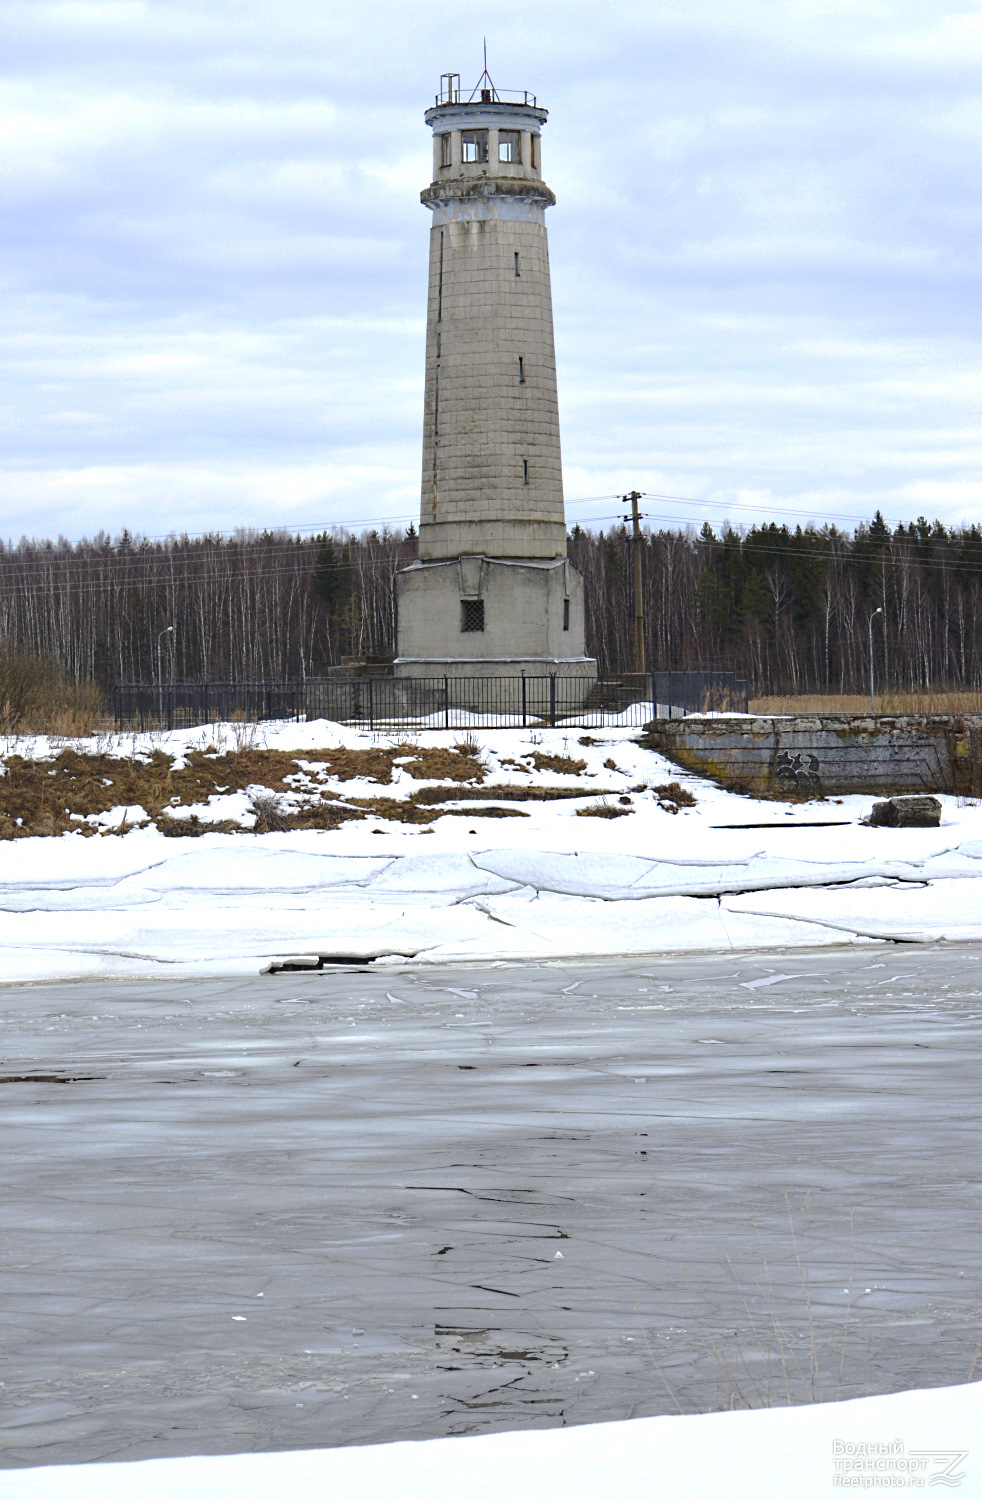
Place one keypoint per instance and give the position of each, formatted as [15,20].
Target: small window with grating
[474,145]
[517,270]
[509,145]
[471,615]
[445,157]
[525,471]
[565,614]
[521,370]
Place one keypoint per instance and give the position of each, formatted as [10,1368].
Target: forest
[790,609]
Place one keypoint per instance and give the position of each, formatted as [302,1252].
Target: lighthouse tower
[492,593]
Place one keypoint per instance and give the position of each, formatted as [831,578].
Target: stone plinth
[489,615]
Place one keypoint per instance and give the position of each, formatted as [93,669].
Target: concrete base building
[492,593]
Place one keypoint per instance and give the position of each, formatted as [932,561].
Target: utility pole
[635,517]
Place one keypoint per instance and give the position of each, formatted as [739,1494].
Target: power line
[405,518]
[246,532]
[164,578]
[772,510]
[160,566]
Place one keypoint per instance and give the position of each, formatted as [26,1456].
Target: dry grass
[671,796]
[270,816]
[392,811]
[38,697]
[461,763]
[191,827]
[287,790]
[483,812]
[558,765]
[378,763]
[858,703]
[431,795]
[769,1362]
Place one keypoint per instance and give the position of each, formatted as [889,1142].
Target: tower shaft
[492,594]
[492,467]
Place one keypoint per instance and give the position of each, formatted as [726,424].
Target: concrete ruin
[815,755]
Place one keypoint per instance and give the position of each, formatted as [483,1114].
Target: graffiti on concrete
[792,770]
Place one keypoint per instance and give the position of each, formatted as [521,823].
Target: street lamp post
[167,630]
[872,693]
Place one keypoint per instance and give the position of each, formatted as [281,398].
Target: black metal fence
[486,702]
[700,692]
[435,702]
[182,705]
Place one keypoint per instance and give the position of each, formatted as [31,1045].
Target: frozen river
[327,1208]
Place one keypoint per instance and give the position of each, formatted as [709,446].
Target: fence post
[170,707]
[654,698]
[371,703]
[524,702]
[446,702]
[552,701]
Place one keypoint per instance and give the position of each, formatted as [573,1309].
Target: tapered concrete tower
[493,593]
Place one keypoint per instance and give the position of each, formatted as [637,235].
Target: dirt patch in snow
[556,765]
[46,797]
[432,795]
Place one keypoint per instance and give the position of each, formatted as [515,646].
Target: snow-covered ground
[913,1440]
[469,888]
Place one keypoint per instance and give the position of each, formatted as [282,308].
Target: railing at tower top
[452,93]
[377,702]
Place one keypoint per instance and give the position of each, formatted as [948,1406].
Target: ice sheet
[749,1455]
[550,883]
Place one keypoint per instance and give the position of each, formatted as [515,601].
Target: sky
[765,257]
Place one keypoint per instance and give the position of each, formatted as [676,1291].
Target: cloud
[765,253]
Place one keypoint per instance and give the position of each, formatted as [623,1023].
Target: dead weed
[48,797]
[430,795]
[671,796]
[287,790]
[559,765]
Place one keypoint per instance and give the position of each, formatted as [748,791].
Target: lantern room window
[510,145]
[445,156]
[474,145]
